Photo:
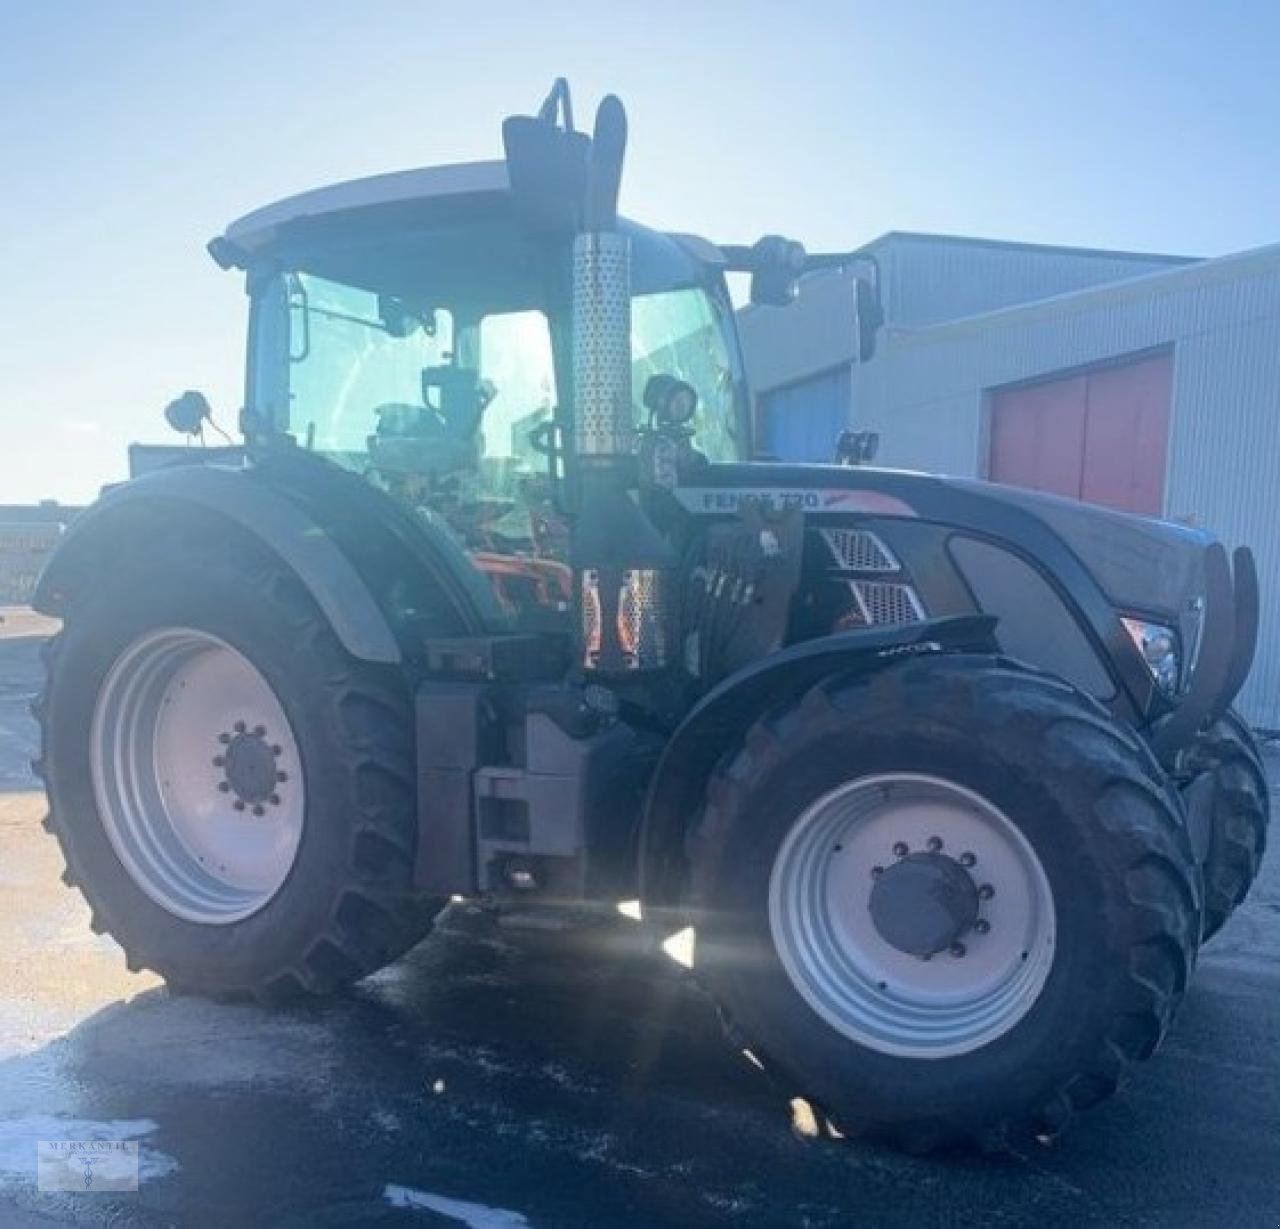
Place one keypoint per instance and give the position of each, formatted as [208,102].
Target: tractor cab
[412,329]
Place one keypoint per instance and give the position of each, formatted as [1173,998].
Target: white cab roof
[459,179]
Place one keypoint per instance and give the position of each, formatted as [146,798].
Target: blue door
[801,422]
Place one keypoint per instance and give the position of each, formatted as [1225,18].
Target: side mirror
[869,316]
[777,266]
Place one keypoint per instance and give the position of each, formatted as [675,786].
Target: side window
[346,364]
[516,362]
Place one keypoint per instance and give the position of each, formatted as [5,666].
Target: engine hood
[1140,564]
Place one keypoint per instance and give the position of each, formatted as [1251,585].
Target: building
[28,535]
[1147,383]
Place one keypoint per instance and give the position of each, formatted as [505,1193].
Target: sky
[132,132]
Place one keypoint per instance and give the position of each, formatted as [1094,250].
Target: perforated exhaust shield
[635,601]
[603,423]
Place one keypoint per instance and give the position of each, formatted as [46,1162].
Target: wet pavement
[517,1074]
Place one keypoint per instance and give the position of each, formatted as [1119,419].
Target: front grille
[886,602]
[859,550]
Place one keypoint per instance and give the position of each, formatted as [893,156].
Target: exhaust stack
[622,566]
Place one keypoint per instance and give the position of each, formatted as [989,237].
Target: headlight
[1158,645]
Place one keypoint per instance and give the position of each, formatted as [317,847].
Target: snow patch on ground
[473,1215]
[19,1136]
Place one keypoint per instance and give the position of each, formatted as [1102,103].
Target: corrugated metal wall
[926,394]
[931,278]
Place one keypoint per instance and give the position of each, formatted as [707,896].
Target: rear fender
[221,496]
[723,716]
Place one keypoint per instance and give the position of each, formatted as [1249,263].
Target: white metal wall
[926,393]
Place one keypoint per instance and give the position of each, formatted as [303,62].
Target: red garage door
[1100,435]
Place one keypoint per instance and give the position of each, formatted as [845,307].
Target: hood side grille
[859,550]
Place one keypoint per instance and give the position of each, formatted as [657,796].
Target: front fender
[124,513]
[723,716]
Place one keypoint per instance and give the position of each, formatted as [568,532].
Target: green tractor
[937,780]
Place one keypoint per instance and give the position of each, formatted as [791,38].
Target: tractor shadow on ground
[522,1063]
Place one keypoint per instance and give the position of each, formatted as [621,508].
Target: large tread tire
[348,906]
[1103,819]
[1240,815]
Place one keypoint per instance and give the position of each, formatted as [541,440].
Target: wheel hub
[249,763]
[922,904]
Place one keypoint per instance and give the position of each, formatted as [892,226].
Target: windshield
[343,369]
[680,333]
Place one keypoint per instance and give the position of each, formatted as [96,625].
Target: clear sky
[133,131]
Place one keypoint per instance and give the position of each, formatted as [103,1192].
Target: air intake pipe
[622,566]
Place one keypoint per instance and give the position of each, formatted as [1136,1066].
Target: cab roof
[457,221]
[436,194]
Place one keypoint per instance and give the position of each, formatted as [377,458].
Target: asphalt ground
[532,1073]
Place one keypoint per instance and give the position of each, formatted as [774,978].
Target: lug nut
[238,804]
[258,809]
[276,748]
[259,730]
[240,727]
[282,776]
[900,849]
[224,786]
[274,800]
[986,892]
[958,950]
[877,871]
[967,859]
[934,844]
[219,760]
[224,738]
[981,926]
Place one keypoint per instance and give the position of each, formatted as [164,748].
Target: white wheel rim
[197,776]
[867,988]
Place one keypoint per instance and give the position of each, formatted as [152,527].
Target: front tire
[233,793]
[937,1018]
[1227,762]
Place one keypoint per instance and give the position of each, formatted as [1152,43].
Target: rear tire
[157,857]
[1102,824]
[1240,812]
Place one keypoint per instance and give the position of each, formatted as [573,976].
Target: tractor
[938,780]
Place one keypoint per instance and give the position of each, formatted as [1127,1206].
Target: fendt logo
[730,499]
